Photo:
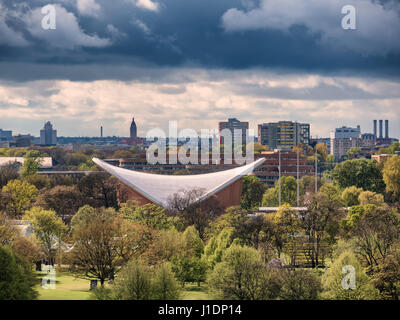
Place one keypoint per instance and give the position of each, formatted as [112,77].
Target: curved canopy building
[155,188]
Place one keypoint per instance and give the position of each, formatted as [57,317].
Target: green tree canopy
[361,173]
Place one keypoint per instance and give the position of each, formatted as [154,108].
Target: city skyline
[253,60]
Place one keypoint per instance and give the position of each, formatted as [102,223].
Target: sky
[197,62]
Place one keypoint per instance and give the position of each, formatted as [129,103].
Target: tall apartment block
[284,134]
[239,129]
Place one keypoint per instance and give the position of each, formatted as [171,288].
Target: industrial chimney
[386,129]
[375,127]
[380,129]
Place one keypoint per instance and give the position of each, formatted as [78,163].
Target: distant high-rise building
[48,136]
[285,134]
[343,139]
[133,130]
[239,129]
[5,135]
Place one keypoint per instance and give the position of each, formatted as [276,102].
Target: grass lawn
[67,288]
[70,288]
[193,292]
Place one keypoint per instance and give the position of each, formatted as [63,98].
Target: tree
[8,233]
[194,246]
[353,153]
[241,275]
[48,229]
[321,223]
[165,286]
[252,192]
[391,176]
[337,284]
[386,276]
[40,181]
[288,224]
[150,214]
[99,189]
[62,199]
[133,282]
[299,284]
[368,197]
[350,196]
[21,196]
[16,282]
[361,173]
[8,173]
[95,253]
[217,245]
[288,193]
[31,164]
[192,212]
[374,230]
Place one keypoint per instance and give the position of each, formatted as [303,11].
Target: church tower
[133,129]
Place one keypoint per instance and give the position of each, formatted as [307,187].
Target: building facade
[5,135]
[283,134]
[48,136]
[238,129]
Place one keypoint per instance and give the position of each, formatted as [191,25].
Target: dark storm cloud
[126,40]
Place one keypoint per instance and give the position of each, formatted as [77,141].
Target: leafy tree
[21,196]
[133,282]
[192,212]
[8,233]
[321,223]
[368,197]
[252,192]
[361,173]
[48,229]
[391,176]
[166,245]
[193,244]
[353,153]
[95,253]
[31,164]
[165,286]
[288,193]
[62,199]
[335,278]
[374,230]
[350,196]
[241,275]
[386,276]
[151,215]
[299,284]
[16,281]
[8,173]
[288,224]
[189,269]
[99,190]
[217,245]
[390,150]
[40,181]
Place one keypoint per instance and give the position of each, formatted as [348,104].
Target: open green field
[70,288]
[193,292]
[67,288]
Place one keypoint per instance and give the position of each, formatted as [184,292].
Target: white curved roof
[159,188]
